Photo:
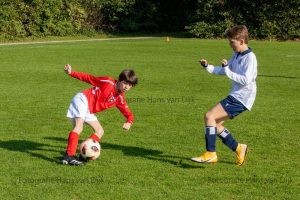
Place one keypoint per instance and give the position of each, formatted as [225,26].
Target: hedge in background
[40,18]
[202,18]
[266,19]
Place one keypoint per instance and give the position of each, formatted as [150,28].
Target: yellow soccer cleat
[241,152]
[207,157]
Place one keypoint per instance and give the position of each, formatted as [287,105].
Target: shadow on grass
[141,152]
[276,76]
[150,154]
[30,147]
[37,149]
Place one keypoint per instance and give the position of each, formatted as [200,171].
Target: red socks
[95,137]
[72,143]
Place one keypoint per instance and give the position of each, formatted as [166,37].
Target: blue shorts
[232,106]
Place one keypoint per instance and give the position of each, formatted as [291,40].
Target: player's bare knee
[100,133]
[208,116]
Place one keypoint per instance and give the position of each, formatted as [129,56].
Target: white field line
[73,41]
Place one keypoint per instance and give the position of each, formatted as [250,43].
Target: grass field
[151,161]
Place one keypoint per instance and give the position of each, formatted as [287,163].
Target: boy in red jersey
[105,94]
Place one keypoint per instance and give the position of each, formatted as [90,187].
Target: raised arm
[90,79]
[213,69]
[210,68]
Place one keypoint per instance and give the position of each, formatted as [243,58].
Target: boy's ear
[242,41]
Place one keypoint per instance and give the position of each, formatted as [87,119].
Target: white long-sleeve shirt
[242,70]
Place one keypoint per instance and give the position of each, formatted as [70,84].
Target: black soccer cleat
[82,159]
[71,160]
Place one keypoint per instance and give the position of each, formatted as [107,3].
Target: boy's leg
[229,141]
[98,130]
[211,118]
[73,142]
[97,135]
[226,137]
[74,136]
[214,115]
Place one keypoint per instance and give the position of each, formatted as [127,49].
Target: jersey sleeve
[215,70]
[90,79]
[249,73]
[218,69]
[124,109]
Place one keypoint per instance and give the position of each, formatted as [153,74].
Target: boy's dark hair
[238,32]
[128,76]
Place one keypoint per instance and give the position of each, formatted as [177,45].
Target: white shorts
[79,107]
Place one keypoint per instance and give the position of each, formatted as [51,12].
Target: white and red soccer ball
[90,149]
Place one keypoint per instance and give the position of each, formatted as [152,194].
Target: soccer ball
[90,149]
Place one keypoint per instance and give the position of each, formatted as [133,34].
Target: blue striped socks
[210,138]
[228,140]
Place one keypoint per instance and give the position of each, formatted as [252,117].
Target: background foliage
[202,18]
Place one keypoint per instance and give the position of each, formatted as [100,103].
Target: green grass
[151,161]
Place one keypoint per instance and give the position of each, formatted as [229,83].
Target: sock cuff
[210,130]
[73,134]
[224,133]
[94,136]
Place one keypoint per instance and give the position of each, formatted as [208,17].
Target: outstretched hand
[68,69]
[224,63]
[203,62]
[126,126]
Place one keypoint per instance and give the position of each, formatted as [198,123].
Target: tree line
[266,19]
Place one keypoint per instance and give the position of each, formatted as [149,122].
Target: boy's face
[236,45]
[123,86]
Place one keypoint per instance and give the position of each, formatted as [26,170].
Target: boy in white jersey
[241,69]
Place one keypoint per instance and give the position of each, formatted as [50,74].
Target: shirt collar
[244,52]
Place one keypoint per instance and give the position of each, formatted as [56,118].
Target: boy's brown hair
[239,32]
[128,76]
